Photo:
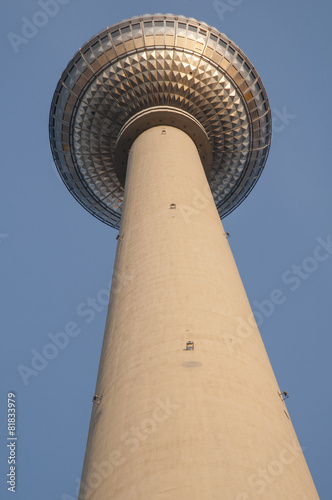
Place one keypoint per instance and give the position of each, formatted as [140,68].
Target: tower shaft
[171,422]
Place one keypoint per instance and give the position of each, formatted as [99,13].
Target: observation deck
[158,70]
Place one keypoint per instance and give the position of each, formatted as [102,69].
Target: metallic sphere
[158,70]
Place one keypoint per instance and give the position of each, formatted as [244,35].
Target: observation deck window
[105,39]
[137,30]
[95,45]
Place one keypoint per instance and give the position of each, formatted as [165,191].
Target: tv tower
[160,126]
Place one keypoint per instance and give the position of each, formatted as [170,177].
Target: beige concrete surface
[177,424]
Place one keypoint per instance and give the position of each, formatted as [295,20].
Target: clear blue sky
[55,255]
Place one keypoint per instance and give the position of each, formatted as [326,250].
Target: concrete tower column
[171,422]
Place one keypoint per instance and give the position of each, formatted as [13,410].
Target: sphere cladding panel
[152,61]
